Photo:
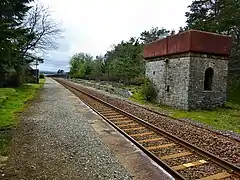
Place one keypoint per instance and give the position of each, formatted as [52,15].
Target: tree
[80,65]
[98,68]
[124,62]
[219,16]
[181,29]
[60,72]
[173,32]
[25,31]
[203,14]
[11,17]
[43,31]
[154,34]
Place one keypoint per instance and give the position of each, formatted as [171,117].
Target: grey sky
[92,26]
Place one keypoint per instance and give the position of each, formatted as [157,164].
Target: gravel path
[55,141]
[221,146]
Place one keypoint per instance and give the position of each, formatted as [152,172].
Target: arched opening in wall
[208,79]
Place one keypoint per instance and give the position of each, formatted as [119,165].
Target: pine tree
[12,13]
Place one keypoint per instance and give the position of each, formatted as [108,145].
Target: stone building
[189,70]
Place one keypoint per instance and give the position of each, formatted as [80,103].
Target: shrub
[148,90]
[41,76]
[137,80]
[30,79]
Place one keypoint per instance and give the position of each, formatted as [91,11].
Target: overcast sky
[92,26]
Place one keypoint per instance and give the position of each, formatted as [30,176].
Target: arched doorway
[208,79]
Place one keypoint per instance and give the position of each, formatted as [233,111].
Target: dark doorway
[208,79]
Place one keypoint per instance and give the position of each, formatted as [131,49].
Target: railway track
[179,158]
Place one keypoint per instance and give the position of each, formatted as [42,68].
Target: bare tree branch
[43,31]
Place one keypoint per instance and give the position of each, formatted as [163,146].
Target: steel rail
[167,116]
[172,172]
[226,165]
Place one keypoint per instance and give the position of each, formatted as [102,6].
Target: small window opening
[168,88]
[208,79]
[153,72]
[166,60]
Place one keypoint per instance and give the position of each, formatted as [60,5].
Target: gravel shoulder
[222,146]
[55,141]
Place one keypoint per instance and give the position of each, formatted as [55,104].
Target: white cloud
[92,26]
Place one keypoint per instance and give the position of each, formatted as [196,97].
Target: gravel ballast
[55,141]
[222,146]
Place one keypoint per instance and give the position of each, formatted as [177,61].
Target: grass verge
[12,101]
[227,118]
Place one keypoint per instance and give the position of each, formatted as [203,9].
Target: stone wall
[179,81]
[171,80]
[200,98]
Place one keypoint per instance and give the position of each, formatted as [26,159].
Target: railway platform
[59,137]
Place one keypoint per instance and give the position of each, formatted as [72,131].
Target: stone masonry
[182,79]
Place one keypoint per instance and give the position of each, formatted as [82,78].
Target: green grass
[5,93]
[227,118]
[221,118]
[13,101]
